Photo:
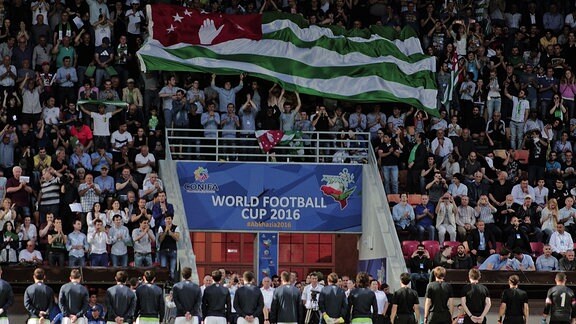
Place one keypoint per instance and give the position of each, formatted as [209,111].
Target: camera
[314,295]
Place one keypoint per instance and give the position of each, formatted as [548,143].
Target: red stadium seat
[537,248]
[499,246]
[454,245]
[432,247]
[414,199]
[393,198]
[408,247]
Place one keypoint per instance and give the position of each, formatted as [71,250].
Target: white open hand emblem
[208,32]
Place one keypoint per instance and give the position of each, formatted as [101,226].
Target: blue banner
[271,197]
[374,267]
[267,255]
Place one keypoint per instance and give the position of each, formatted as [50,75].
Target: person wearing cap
[96,316]
[132,95]
[497,261]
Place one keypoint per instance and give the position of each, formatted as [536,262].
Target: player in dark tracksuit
[249,301]
[216,301]
[120,300]
[187,296]
[6,297]
[38,298]
[73,298]
[149,298]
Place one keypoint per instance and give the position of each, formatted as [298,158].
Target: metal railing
[305,147]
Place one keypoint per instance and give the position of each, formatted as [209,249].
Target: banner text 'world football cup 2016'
[271,197]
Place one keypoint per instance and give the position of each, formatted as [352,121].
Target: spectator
[419,266]
[77,246]
[115,210]
[524,261]
[121,138]
[119,239]
[107,186]
[30,256]
[89,193]
[389,152]
[125,183]
[80,159]
[462,260]
[567,215]
[567,262]
[27,232]
[424,216]
[138,213]
[143,238]
[446,211]
[500,261]
[547,262]
[94,214]
[560,242]
[403,215]
[101,128]
[162,208]
[98,241]
[466,218]
[56,244]
[226,95]
[18,190]
[168,237]
[152,185]
[517,237]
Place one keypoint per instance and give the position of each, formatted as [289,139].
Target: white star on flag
[187,13]
[177,18]
[171,29]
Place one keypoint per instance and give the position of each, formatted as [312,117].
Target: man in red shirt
[83,133]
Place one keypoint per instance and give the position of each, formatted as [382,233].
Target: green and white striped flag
[377,64]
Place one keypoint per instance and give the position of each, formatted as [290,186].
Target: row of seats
[433,247]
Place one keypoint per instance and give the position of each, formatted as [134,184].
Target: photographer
[310,300]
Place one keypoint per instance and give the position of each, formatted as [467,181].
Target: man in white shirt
[98,240]
[310,295]
[267,292]
[521,190]
[441,146]
[560,242]
[101,131]
[121,138]
[145,161]
[30,255]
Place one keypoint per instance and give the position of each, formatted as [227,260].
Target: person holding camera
[310,299]
[419,265]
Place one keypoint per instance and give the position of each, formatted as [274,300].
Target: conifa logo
[200,185]
[338,187]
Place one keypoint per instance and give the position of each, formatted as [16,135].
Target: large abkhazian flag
[370,65]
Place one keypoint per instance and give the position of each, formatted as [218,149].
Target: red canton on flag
[268,139]
[175,24]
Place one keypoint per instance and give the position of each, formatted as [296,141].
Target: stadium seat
[537,248]
[521,156]
[408,247]
[454,245]
[393,198]
[403,180]
[499,246]
[414,199]
[432,247]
